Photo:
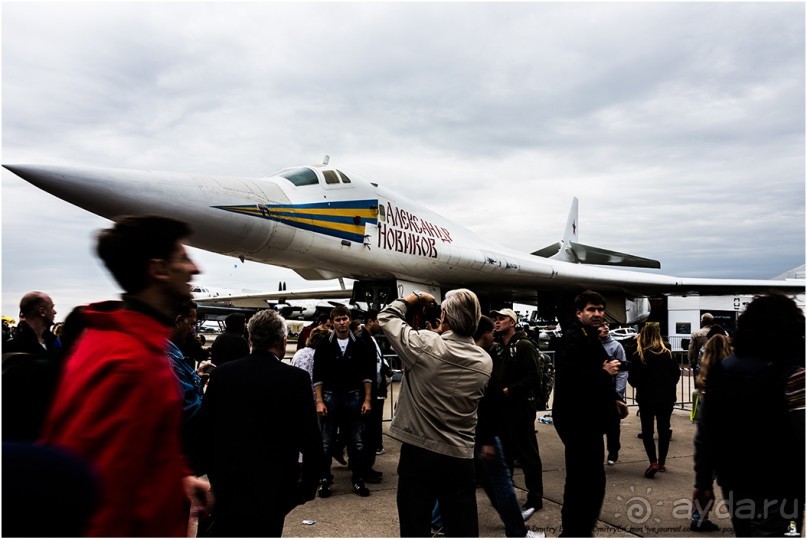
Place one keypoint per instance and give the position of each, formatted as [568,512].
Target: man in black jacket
[515,380]
[257,418]
[585,404]
[344,371]
[31,368]
[231,344]
[33,334]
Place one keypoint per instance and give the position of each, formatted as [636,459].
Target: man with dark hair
[445,375]
[118,404]
[257,418]
[584,407]
[496,474]
[231,344]
[189,378]
[375,419]
[344,371]
[762,385]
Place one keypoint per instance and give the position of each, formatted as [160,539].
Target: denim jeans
[344,414]
[498,484]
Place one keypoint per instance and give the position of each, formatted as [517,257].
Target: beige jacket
[445,376]
[696,341]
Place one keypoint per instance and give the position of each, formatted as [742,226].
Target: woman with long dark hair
[654,374]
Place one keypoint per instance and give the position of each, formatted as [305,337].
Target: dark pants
[520,441]
[266,525]
[661,414]
[424,477]
[373,429]
[760,517]
[344,416]
[585,479]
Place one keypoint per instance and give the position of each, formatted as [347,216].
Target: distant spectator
[33,334]
[698,338]
[654,374]
[714,330]
[619,362]
[6,331]
[321,323]
[31,369]
[374,420]
[231,344]
[304,358]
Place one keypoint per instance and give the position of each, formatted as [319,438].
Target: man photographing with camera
[445,375]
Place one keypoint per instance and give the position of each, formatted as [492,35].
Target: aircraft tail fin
[562,250]
[570,250]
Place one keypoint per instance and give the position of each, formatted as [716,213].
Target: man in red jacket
[118,405]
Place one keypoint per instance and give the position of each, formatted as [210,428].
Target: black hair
[133,241]
[588,297]
[484,326]
[771,328]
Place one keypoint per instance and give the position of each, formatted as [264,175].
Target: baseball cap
[506,313]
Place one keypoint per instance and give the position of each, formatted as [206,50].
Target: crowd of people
[145,427]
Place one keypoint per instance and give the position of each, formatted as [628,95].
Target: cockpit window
[345,179]
[330,177]
[300,177]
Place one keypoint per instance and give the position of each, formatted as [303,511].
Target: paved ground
[633,506]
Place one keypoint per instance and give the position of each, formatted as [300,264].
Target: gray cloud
[680,126]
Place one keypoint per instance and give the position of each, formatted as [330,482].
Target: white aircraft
[325,224]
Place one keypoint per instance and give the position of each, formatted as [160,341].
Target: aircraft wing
[269,299]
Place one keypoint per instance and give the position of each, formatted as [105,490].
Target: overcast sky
[680,126]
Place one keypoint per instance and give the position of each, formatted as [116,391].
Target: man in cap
[516,379]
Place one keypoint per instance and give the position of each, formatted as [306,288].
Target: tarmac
[634,506]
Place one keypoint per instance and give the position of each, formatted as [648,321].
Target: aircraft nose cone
[32,173]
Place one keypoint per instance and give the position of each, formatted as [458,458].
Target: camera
[420,313]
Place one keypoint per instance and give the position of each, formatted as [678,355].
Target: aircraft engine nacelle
[625,310]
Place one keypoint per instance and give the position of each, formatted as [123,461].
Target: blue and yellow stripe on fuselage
[341,219]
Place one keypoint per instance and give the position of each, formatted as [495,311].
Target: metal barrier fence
[686,385]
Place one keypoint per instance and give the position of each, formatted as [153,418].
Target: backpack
[546,373]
